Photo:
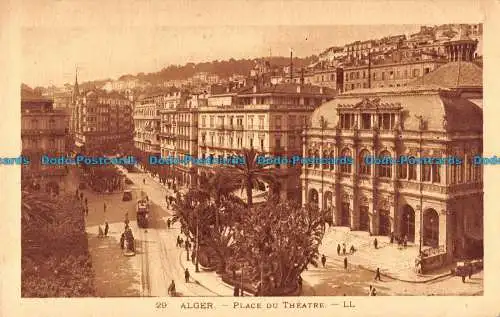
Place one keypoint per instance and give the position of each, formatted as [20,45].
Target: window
[291,122]
[346,121]
[426,172]
[52,124]
[436,175]
[384,170]
[250,123]
[310,154]
[386,121]
[364,168]
[261,122]
[345,168]
[366,121]
[212,121]
[416,72]
[277,144]
[251,142]
[278,123]
[332,165]
[403,171]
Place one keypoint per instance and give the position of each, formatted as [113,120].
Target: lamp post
[197,269]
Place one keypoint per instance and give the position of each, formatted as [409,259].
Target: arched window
[436,173]
[364,169]
[345,168]
[325,157]
[384,170]
[431,228]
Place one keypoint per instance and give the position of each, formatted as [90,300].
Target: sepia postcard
[255,157]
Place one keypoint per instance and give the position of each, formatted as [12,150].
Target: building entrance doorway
[384,223]
[364,219]
[408,223]
[345,218]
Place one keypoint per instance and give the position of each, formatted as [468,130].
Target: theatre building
[439,208]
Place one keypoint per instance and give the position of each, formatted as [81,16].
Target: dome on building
[453,75]
[439,109]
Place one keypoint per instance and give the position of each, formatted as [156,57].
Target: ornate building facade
[102,121]
[436,206]
[43,132]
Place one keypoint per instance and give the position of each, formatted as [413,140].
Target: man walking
[375,243]
[377,275]
[345,263]
[106,229]
[168,223]
[186,275]
[338,249]
[104,207]
[323,260]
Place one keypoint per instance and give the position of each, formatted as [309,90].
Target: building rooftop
[453,75]
[442,110]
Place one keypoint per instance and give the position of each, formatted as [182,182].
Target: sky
[113,38]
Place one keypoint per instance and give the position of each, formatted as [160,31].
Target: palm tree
[250,174]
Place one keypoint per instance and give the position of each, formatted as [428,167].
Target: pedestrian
[373,291]
[375,243]
[168,223]
[343,250]
[345,263]
[101,233]
[171,289]
[338,249]
[377,275]
[352,249]
[470,271]
[405,241]
[178,241]
[323,260]
[463,277]
[106,229]
[144,181]
[186,275]
[86,202]
[236,292]
[392,237]
[122,241]
[104,207]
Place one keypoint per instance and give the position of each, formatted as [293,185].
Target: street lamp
[197,269]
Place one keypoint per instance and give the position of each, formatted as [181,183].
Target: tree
[212,225]
[251,174]
[277,242]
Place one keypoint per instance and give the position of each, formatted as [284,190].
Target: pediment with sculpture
[371,104]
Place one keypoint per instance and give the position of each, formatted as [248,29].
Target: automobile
[463,268]
[127,195]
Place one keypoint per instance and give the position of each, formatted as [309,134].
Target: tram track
[145,275]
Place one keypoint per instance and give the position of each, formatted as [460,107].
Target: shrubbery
[55,261]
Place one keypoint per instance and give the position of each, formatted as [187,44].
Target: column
[351,212]
[371,209]
[418,227]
